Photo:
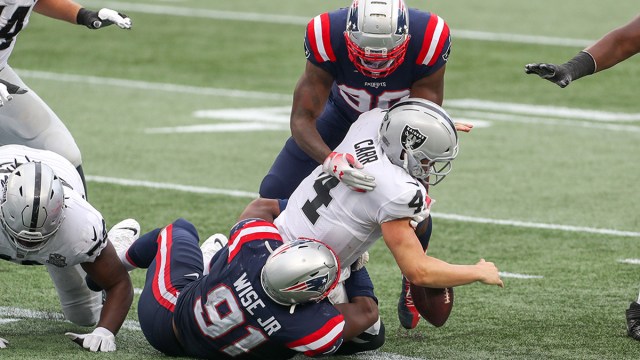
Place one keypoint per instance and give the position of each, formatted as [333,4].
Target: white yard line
[630,261]
[453,217]
[166,10]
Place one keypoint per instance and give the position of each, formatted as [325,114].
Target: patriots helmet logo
[314,284]
[412,138]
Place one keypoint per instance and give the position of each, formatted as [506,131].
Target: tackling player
[256,298]
[370,55]
[47,221]
[406,147]
[27,119]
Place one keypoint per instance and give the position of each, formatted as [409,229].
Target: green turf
[561,173]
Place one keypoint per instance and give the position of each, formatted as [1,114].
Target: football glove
[7,89]
[3,343]
[102,18]
[346,168]
[361,262]
[100,339]
[581,65]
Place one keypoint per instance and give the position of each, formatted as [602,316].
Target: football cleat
[407,312]
[633,320]
[210,247]
[122,235]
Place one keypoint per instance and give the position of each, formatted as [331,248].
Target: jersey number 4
[13,26]
[323,184]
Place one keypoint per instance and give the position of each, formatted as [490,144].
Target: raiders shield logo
[412,138]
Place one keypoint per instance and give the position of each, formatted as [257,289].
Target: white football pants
[27,120]
[80,305]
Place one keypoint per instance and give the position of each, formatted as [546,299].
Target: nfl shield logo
[57,260]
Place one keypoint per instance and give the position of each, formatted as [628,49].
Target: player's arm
[428,271]
[74,13]
[309,98]
[359,314]
[261,208]
[108,272]
[617,45]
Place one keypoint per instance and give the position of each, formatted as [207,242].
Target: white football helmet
[300,271]
[419,136]
[377,35]
[32,205]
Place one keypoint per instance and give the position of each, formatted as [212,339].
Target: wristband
[581,65]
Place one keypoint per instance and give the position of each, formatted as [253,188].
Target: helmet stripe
[35,211]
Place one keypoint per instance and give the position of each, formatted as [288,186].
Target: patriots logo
[314,284]
[412,138]
[352,22]
[403,23]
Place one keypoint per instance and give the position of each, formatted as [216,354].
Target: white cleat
[123,234]
[210,247]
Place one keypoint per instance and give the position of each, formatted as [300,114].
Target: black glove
[581,65]
[102,18]
[7,89]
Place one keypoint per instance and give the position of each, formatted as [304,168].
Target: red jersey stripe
[428,34]
[444,35]
[337,321]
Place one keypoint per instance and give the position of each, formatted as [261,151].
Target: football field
[183,115]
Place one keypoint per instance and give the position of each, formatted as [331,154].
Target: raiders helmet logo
[412,138]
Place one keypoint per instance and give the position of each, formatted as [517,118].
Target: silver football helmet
[32,204]
[419,136]
[300,271]
[377,36]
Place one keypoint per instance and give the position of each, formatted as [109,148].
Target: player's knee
[84,314]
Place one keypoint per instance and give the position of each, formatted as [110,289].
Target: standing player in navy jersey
[370,55]
[256,299]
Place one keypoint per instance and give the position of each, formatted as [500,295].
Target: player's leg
[407,312]
[28,120]
[177,253]
[80,305]
[633,319]
[292,164]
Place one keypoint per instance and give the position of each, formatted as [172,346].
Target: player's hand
[102,18]
[464,127]
[554,73]
[346,168]
[489,273]
[100,339]
[3,343]
[7,89]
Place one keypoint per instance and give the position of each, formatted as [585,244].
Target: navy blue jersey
[228,311]
[354,93]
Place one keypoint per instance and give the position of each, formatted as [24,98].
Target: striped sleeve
[323,341]
[436,41]
[250,231]
[318,40]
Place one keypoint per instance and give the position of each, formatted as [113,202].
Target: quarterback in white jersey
[47,221]
[24,117]
[412,143]
[346,220]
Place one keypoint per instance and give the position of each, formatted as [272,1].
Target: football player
[369,55]
[614,47]
[24,117]
[406,148]
[45,220]
[251,297]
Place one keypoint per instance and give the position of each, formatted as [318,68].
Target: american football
[433,304]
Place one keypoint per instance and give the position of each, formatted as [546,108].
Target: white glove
[100,339]
[6,89]
[420,217]
[3,343]
[109,17]
[361,262]
[345,168]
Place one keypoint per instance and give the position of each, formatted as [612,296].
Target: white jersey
[325,209]
[82,235]
[13,18]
